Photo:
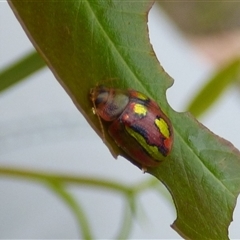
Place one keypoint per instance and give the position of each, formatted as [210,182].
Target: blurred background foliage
[213,28]
[200,18]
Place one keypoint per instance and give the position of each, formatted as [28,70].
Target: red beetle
[138,125]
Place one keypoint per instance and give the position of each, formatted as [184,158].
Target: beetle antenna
[94,109]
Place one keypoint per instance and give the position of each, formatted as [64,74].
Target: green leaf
[215,87]
[90,42]
[21,69]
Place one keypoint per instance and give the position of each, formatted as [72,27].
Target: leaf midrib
[122,59]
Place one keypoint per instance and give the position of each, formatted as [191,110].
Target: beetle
[136,123]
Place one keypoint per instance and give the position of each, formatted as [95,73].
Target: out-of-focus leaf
[21,69]
[215,87]
[86,42]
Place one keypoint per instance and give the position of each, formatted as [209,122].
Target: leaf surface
[86,43]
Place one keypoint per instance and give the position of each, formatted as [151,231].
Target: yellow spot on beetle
[140,109]
[163,127]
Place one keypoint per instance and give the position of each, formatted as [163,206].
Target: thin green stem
[144,185]
[63,178]
[75,207]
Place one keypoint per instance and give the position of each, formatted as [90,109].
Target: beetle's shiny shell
[137,124]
